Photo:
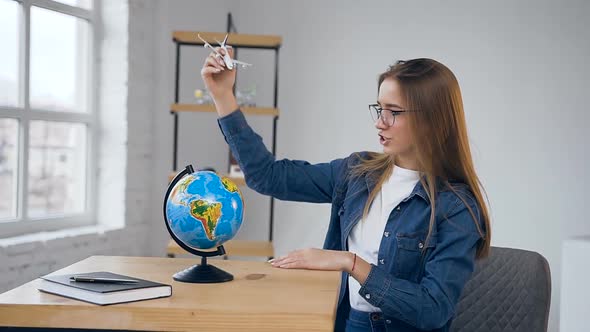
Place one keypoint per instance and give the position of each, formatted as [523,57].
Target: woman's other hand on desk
[220,82]
[325,260]
[315,259]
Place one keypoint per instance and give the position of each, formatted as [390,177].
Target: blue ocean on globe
[204,210]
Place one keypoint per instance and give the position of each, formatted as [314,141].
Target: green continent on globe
[208,214]
[229,185]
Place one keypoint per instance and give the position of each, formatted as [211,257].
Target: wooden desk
[260,298]
[232,248]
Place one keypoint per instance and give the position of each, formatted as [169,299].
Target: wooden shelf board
[235,40]
[211,108]
[233,248]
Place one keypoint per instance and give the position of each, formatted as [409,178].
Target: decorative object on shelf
[246,97]
[202,97]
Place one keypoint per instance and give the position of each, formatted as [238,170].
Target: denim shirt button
[367,296]
[388,321]
[386,234]
[420,245]
[399,208]
[382,261]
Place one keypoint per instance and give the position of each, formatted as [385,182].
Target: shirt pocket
[411,253]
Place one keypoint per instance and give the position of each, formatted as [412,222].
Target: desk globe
[202,211]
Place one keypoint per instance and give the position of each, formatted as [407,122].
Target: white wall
[521,66]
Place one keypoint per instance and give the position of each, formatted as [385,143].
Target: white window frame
[23,224]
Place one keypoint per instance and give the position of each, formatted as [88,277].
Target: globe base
[203,273]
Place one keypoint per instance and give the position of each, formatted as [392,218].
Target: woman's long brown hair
[440,137]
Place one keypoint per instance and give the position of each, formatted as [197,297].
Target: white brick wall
[125,164]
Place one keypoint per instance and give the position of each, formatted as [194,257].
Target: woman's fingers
[214,61]
[286,263]
[277,260]
[210,70]
[211,66]
[292,260]
[223,52]
[219,59]
[292,265]
[218,55]
[230,50]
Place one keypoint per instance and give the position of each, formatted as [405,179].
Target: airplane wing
[243,64]
[208,45]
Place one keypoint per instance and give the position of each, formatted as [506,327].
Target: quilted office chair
[509,291]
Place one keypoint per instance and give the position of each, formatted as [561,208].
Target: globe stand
[204,273]
[201,273]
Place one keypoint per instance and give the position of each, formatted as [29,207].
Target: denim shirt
[416,283]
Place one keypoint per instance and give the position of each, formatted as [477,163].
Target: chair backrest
[509,291]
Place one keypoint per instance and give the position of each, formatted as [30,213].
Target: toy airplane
[229,62]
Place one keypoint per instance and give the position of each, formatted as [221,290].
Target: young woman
[407,224]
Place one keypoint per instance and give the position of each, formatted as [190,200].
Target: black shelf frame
[231,28]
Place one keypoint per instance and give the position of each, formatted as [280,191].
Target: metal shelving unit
[237,41]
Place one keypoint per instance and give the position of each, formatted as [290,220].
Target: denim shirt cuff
[376,286]
[232,123]
[380,289]
[379,283]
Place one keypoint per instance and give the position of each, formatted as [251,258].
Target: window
[47,115]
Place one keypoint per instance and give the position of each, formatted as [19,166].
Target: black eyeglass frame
[376,109]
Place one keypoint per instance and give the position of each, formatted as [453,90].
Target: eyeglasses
[387,116]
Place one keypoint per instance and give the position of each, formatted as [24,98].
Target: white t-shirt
[366,235]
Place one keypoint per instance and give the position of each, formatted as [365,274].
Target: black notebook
[103,293]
